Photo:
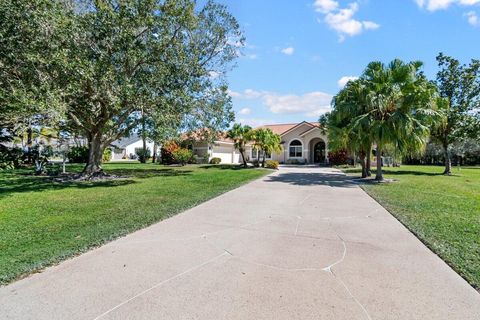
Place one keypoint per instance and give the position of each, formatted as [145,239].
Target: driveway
[302,243]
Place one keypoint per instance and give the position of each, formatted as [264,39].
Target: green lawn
[444,212]
[43,222]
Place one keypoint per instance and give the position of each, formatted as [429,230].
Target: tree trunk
[369,162]
[362,157]
[29,144]
[448,160]
[379,176]
[154,156]
[243,158]
[95,153]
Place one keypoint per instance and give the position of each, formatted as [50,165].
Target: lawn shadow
[25,181]
[225,167]
[410,172]
[34,183]
[142,173]
[313,179]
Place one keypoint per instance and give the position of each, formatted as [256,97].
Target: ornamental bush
[338,158]
[215,160]
[142,154]
[182,156]
[271,164]
[167,151]
[78,154]
[107,155]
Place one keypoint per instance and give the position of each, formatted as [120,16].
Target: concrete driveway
[303,243]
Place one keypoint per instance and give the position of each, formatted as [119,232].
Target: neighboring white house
[302,142]
[125,148]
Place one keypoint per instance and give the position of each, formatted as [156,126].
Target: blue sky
[297,51]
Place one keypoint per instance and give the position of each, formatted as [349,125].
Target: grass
[43,222]
[443,211]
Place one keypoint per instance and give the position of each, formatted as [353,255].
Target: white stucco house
[125,148]
[302,142]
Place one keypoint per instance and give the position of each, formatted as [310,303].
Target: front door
[319,152]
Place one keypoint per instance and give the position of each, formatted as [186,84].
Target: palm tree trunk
[362,157]
[369,162]
[448,160]
[379,176]
[243,158]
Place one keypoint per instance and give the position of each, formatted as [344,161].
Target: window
[295,149]
[254,153]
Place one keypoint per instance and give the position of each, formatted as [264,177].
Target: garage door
[225,154]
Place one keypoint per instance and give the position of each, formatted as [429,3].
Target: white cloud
[288,51]
[252,94]
[313,102]
[309,104]
[472,18]
[434,5]
[325,6]
[245,111]
[370,25]
[344,80]
[342,19]
[234,94]
[246,94]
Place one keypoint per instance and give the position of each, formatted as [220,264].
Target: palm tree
[400,104]
[240,136]
[348,104]
[267,141]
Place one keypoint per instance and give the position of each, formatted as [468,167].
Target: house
[125,148]
[302,142]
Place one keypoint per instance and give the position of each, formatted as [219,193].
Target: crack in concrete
[328,269]
[298,223]
[338,279]
[161,283]
[365,312]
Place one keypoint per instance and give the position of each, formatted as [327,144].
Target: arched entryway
[317,151]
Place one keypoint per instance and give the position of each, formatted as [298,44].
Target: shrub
[40,157]
[271,164]
[167,152]
[78,154]
[10,157]
[215,160]
[142,154]
[107,155]
[338,158]
[182,156]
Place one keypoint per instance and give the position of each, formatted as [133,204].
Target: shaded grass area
[443,211]
[43,222]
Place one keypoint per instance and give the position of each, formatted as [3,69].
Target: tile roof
[281,128]
[276,128]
